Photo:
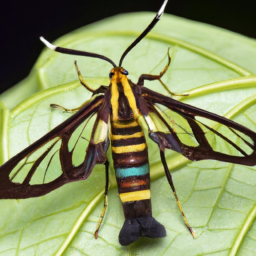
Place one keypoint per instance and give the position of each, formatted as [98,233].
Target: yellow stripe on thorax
[135,196]
[114,100]
[129,148]
[130,96]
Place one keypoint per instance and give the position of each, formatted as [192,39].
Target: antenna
[76,52]
[145,32]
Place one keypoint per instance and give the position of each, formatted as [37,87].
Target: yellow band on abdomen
[129,149]
[135,196]
[124,125]
[124,137]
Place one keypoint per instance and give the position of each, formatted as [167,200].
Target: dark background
[22,22]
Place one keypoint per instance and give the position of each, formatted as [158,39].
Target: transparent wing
[199,134]
[49,162]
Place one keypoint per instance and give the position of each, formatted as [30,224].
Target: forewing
[199,134]
[49,162]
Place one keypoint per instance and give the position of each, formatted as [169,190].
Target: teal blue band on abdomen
[133,171]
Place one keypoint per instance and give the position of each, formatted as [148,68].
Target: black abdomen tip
[135,228]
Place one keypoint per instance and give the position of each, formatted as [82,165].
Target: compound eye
[111,74]
[124,72]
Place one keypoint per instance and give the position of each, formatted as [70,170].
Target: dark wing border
[9,189]
[203,151]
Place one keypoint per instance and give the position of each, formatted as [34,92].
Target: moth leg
[81,78]
[158,77]
[101,89]
[66,109]
[169,178]
[105,201]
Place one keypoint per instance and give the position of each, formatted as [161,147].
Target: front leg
[154,77]
[67,109]
[81,79]
[158,77]
[101,89]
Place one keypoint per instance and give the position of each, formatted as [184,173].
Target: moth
[121,109]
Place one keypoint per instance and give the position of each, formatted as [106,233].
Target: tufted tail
[134,228]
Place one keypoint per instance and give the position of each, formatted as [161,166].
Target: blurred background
[22,22]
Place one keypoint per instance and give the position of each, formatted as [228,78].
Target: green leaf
[215,66]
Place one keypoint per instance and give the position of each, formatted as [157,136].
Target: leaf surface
[215,66]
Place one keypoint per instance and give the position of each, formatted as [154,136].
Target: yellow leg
[172,93]
[158,77]
[169,178]
[66,109]
[183,215]
[163,72]
[81,79]
[105,202]
[167,65]
[101,216]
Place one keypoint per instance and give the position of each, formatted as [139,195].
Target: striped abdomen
[130,157]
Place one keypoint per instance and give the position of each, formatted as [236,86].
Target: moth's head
[118,73]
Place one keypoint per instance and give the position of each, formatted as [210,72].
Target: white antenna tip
[49,45]
[161,11]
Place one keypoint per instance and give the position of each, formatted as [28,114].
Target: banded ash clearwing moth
[120,109]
